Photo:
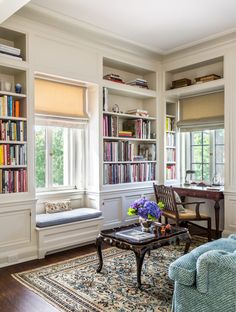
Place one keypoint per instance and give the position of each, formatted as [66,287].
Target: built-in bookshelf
[170,142]
[13,112]
[203,77]
[129,123]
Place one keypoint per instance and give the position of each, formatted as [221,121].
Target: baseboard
[19,256]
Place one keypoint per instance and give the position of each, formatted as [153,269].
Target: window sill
[59,193]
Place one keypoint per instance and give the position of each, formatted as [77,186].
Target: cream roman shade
[202,112]
[59,99]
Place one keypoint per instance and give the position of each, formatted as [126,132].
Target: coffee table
[140,248]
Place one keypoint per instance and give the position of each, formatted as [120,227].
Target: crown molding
[85,31]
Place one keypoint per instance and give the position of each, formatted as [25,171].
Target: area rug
[74,285]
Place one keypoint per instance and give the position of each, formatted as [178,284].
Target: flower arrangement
[146,209]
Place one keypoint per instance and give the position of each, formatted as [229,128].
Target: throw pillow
[178,200]
[57,206]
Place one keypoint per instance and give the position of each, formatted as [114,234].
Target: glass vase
[146,225]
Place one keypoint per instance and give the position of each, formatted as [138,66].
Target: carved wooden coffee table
[159,239]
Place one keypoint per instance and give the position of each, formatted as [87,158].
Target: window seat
[67,229]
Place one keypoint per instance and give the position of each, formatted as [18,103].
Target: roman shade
[59,99]
[202,112]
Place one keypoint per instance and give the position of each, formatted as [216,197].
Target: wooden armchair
[166,195]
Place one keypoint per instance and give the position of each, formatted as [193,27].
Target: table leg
[187,245]
[139,261]
[217,218]
[99,252]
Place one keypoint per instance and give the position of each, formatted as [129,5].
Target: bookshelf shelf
[122,106]
[197,89]
[129,162]
[13,94]
[128,139]
[128,116]
[13,142]
[117,88]
[13,113]
[13,118]
[13,167]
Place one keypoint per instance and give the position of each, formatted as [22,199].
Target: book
[136,235]
[6,48]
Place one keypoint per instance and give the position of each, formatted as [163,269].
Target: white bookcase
[171,143]
[207,67]
[128,159]
[13,115]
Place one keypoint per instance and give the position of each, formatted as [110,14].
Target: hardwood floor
[15,297]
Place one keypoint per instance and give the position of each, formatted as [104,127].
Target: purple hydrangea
[145,209]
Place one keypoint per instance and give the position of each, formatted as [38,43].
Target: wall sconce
[187,178]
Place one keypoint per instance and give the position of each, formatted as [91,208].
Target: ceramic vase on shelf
[146,225]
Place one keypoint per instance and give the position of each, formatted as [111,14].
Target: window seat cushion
[79,214]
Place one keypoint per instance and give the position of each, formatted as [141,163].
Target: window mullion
[49,157]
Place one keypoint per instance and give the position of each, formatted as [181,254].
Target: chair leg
[209,229]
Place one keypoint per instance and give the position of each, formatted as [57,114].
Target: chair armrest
[193,203]
[197,207]
[218,262]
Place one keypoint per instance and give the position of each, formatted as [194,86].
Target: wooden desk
[203,192]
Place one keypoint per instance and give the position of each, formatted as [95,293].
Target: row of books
[140,128]
[109,126]
[125,151]
[10,51]
[8,107]
[170,124]
[13,130]
[171,172]
[170,139]
[170,154]
[126,173]
[118,151]
[13,181]
[13,155]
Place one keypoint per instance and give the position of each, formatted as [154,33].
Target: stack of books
[142,83]
[109,126]
[137,112]
[184,82]
[139,128]
[10,51]
[13,130]
[206,78]
[124,133]
[113,77]
[12,155]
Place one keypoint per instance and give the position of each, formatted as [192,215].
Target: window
[56,154]
[204,153]
[60,132]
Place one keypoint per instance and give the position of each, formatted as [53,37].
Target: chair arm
[193,203]
[197,207]
[218,262]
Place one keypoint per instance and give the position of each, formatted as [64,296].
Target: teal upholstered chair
[205,279]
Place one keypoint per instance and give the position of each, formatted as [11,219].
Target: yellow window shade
[59,99]
[202,107]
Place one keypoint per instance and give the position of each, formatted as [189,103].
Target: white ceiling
[7,8]
[160,26]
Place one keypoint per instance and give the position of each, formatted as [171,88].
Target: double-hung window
[59,137]
[204,153]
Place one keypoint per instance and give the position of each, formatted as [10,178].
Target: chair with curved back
[176,210]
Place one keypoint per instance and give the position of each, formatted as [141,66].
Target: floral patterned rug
[74,285]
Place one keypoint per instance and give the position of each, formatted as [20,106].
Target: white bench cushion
[46,220]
